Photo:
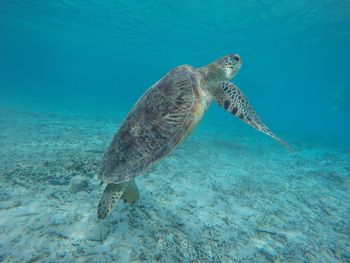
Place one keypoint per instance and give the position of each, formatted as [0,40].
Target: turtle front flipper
[111,194]
[234,101]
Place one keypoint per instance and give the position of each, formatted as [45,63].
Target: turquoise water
[71,70]
[108,52]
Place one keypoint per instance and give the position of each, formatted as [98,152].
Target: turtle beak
[239,60]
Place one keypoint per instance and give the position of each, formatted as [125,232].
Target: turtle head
[224,68]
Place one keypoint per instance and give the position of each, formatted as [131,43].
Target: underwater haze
[71,70]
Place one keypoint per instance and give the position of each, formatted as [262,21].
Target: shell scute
[155,125]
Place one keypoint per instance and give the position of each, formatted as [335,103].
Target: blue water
[90,58]
[108,52]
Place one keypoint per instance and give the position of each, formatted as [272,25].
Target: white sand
[223,196]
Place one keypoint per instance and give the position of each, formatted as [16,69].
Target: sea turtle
[163,117]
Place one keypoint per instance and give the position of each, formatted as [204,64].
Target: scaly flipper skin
[234,101]
[111,194]
[131,193]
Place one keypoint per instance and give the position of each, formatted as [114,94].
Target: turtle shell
[158,122]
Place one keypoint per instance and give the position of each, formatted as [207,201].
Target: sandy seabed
[222,196]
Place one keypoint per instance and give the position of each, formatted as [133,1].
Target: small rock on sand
[98,232]
[61,219]
[78,184]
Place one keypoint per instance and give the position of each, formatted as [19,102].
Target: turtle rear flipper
[111,194]
[131,193]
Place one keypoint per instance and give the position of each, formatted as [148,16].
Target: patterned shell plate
[159,121]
